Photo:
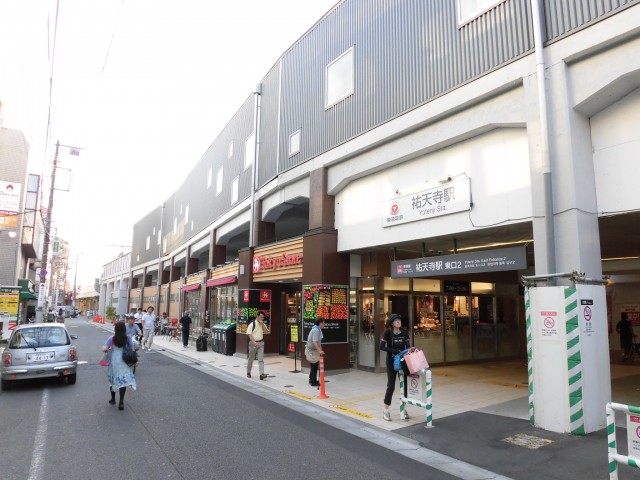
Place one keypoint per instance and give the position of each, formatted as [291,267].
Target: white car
[39,350]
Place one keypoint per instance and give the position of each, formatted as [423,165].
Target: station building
[418,158]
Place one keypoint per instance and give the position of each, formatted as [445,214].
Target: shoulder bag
[129,355]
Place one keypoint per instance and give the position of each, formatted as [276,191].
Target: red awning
[222,281]
[194,286]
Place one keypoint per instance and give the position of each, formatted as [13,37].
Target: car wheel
[6,385]
[71,379]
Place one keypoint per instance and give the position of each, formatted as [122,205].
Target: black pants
[313,373]
[391,380]
[185,337]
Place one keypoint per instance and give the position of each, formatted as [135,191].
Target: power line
[113,34]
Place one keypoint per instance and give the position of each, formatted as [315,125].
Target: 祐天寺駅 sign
[501,259]
[449,198]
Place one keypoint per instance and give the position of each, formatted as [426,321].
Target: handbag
[397,359]
[313,355]
[416,361]
[129,355]
[105,361]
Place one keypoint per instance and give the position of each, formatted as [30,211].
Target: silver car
[39,350]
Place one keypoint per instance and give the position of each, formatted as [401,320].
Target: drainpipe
[537,16]
[256,150]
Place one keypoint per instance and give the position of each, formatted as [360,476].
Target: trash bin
[229,334]
[216,335]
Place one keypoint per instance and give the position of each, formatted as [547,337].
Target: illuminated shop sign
[267,263]
[497,260]
[449,198]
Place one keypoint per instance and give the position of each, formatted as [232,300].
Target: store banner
[451,197]
[10,198]
[330,303]
[497,260]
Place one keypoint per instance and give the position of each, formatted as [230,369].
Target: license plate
[40,357]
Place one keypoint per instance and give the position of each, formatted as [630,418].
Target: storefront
[452,319]
[135,299]
[191,293]
[222,294]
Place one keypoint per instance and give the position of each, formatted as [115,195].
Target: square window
[230,154]
[234,190]
[219,182]
[148,241]
[249,150]
[470,9]
[339,78]
[294,143]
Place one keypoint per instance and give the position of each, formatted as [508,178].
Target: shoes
[248,374]
[386,414]
[314,384]
[149,348]
[120,406]
[112,401]
[405,415]
[263,376]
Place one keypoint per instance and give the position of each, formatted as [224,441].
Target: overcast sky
[144,86]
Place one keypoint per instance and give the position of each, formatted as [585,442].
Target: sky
[143,87]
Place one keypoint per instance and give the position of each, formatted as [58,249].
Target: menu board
[328,302]
[250,302]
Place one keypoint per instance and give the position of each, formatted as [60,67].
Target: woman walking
[119,374]
[394,341]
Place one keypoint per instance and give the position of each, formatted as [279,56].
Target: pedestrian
[51,316]
[133,331]
[313,351]
[185,322]
[164,323]
[625,329]
[255,332]
[119,374]
[138,316]
[149,326]
[395,340]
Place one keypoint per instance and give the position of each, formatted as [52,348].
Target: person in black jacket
[625,328]
[394,341]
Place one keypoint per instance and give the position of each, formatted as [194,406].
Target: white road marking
[40,442]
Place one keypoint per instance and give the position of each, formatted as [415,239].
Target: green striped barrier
[527,304]
[574,362]
[614,456]
[427,404]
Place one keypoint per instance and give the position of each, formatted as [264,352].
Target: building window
[234,190]
[219,182]
[339,78]
[249,150]
[159,237]
[470,9]
[209,177]
[294,143]
[175,225]
[148,241]
[230,153]
[186,214]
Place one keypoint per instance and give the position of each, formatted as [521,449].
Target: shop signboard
[445,199]
[330,303]
[497,260]
[9,308]
[250,302]
[633,436]
[633,313]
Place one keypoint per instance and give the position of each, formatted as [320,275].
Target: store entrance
[290,321]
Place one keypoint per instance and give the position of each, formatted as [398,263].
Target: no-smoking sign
[549,322]
[587,314]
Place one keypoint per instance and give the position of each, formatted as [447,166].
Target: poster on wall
[328,302]
[633,313]
[250,302]
[9,307]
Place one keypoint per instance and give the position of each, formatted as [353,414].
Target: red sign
[292,347]
[265,295]
[261,264]
[246,295]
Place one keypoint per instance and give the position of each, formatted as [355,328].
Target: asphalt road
[181,423]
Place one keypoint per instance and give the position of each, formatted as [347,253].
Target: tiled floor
[500,388]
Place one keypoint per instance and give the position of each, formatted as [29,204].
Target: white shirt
[148,320]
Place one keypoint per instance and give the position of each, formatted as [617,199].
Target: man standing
[255,332]
[313,351]
[133,331]
[185,321]
[138,321]
[625,329]
[149,325]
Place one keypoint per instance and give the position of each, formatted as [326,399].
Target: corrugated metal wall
[564,16]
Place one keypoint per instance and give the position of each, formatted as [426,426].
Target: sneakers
[386,414]
[248,374]
[405,414]
[263,376]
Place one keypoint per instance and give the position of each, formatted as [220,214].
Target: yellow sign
[294,333]
[7,221]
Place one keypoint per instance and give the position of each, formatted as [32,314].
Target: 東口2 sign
[497,260]
[449,198]
[330,303]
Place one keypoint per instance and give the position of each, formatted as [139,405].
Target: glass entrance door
[484,328]
[457,325]
[428,329]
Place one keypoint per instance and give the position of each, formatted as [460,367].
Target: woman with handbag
[395,340]
[120,374]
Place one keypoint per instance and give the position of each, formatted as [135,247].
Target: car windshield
[39,337]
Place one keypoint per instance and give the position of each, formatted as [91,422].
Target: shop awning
[187,288]
[216,282]
[26,293]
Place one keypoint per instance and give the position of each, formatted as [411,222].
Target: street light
[47,233]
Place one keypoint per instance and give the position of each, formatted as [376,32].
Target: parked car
[39,350]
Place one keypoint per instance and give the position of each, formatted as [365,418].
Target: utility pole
[159,279]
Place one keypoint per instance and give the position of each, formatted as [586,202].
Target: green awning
[27,289]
